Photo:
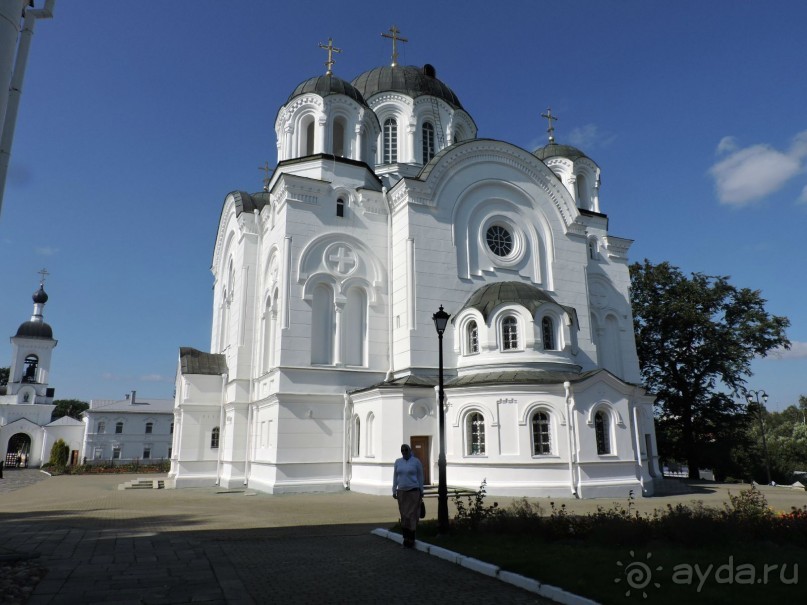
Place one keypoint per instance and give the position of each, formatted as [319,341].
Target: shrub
[475,513]
[59,453]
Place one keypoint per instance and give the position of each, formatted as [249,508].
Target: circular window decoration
[499,240]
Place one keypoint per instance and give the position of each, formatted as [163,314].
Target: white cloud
[46,251]
[749,174]
[798,350]
[589,137]
[155,378]
[726,145]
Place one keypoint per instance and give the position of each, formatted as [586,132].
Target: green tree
[696,337]
[59,453]
[69,407]
[4,372]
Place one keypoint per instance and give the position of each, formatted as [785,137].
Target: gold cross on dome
[551,130]
[395,38]
[43,273]
[266,170]
[331,49]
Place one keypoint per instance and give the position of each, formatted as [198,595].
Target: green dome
[554,150]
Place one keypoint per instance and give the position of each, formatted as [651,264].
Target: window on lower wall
[146,452]
[602,431]
[214,438]
[541,436]
[475,434]
[115,452]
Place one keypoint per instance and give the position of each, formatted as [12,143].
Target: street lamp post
[440,322]
[753,397]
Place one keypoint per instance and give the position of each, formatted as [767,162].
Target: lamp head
[440,320]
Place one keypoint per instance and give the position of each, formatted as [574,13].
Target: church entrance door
[18,446]
[420,448]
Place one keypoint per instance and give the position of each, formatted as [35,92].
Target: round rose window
[500,240]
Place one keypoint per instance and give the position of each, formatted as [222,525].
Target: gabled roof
[193,361]
[141,406]
[65,421]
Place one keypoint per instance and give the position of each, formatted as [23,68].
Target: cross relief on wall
[341,259]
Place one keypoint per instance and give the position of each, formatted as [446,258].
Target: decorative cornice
[617,247]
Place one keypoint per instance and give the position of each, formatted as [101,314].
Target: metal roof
[193,361]
[488,297]
[554,150]
[511,377]
[328,85]
[409,80]
[35,329]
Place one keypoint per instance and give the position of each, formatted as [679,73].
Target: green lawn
[730,573]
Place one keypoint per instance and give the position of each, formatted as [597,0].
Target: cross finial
[266,170]
[43,273]
[393,35]
[551,130]
[331,49]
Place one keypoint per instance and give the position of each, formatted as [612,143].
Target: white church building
[383,207]
[26,402]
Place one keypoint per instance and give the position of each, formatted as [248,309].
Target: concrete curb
[544,590]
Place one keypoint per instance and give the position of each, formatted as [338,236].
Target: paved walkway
[102,545]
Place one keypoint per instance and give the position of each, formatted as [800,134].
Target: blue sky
[137,118]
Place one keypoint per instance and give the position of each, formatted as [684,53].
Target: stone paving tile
[104,546]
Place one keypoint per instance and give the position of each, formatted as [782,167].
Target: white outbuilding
[383,207]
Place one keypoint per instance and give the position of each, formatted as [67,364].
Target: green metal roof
[488,297]
[554,150]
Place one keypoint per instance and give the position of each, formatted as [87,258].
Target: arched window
[368,434]
[309,139]
[472,344]
[583,197]
[118,428]
[322,325]
[171,430]
[602,431]
[475,434]
[149,427]
[354,327]
[340,207]
[31,363]
[509,333]
[548,333]
[541,436]
[356,436]
[592,248]
[339,137]
[390,141]
[214,438]
[101,427]
[427,133]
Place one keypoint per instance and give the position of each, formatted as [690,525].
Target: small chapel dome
[40,296]
[327,85]
[489,297]
[35,329]
[409,80]
[553,150]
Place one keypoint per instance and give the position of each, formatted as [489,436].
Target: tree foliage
[4,373]
[59,453]
[69,407]
[696,337]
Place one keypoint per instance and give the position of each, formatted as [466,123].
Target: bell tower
[31,350]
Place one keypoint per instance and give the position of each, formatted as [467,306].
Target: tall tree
[69,407]
[4,372]
[696,337]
